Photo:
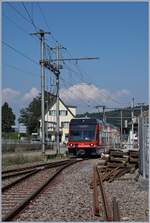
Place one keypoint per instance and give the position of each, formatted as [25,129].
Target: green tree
[8,118]
[30,115]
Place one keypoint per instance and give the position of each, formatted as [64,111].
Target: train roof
[90,121]
[85,121]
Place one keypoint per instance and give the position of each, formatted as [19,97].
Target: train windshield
[82,133]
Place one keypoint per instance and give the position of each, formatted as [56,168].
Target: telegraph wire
[85,81]
[102,94]
[19,69]
[32,22]
[18,26]
[46,23]
[73,92]
[19,52]
[17,11]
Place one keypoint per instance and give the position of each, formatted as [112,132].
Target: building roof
[71,106]
[53,101]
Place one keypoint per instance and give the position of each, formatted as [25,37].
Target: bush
[10,135]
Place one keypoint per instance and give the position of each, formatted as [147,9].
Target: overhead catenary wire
[19,52]
[20,28]
[111,98]
[18,12]
[31,19]
[44,18]
[100,93]
[73,92]
[46,23]
[19,69]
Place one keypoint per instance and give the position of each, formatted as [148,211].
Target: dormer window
[63,112]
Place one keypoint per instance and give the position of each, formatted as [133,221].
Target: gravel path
[132,196]
[70,198]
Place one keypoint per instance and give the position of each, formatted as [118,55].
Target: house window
[65,125]
[52,112]
[63,112]
[51,124]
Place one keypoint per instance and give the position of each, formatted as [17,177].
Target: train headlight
[71,145]
[91,144]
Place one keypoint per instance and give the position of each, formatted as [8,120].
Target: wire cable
[32,22]
[18,12]
[19,52]
[46,23]
[19,69]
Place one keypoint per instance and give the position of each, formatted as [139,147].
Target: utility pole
[103,107]
[41,33]
[55,68]
[57,100]
[57,74]
[121,128]
[132,115]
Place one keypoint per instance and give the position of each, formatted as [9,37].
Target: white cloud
[9,94]
[121,93]
[83,94]
[31,94]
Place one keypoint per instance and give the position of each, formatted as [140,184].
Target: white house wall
[67,118]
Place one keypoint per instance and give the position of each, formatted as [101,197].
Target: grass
[20,158]
[10,135]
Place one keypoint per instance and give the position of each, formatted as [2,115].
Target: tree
[30,116]
[8,118]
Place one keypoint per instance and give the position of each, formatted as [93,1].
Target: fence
[144,146]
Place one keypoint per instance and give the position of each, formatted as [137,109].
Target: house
[66,113]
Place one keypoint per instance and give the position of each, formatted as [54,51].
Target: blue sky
[116,32]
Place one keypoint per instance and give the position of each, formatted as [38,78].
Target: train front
[82,137]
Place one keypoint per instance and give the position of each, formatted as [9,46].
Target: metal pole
[42,63]
[143,143]
[104,116]
[132,115]
[121,128]
[42,92]
[57,104]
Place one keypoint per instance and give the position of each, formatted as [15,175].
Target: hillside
[114,117]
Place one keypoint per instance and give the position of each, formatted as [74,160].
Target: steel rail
[95,193]
[8,186]
[32,172]
[107,211]
[26,201]
[30,167]
[6,176]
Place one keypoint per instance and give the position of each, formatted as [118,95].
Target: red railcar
[88,136]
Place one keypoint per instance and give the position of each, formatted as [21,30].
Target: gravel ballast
[69,197]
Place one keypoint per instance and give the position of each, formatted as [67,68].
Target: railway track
[27,168]
[117,165]
[14,175]
[18,194]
